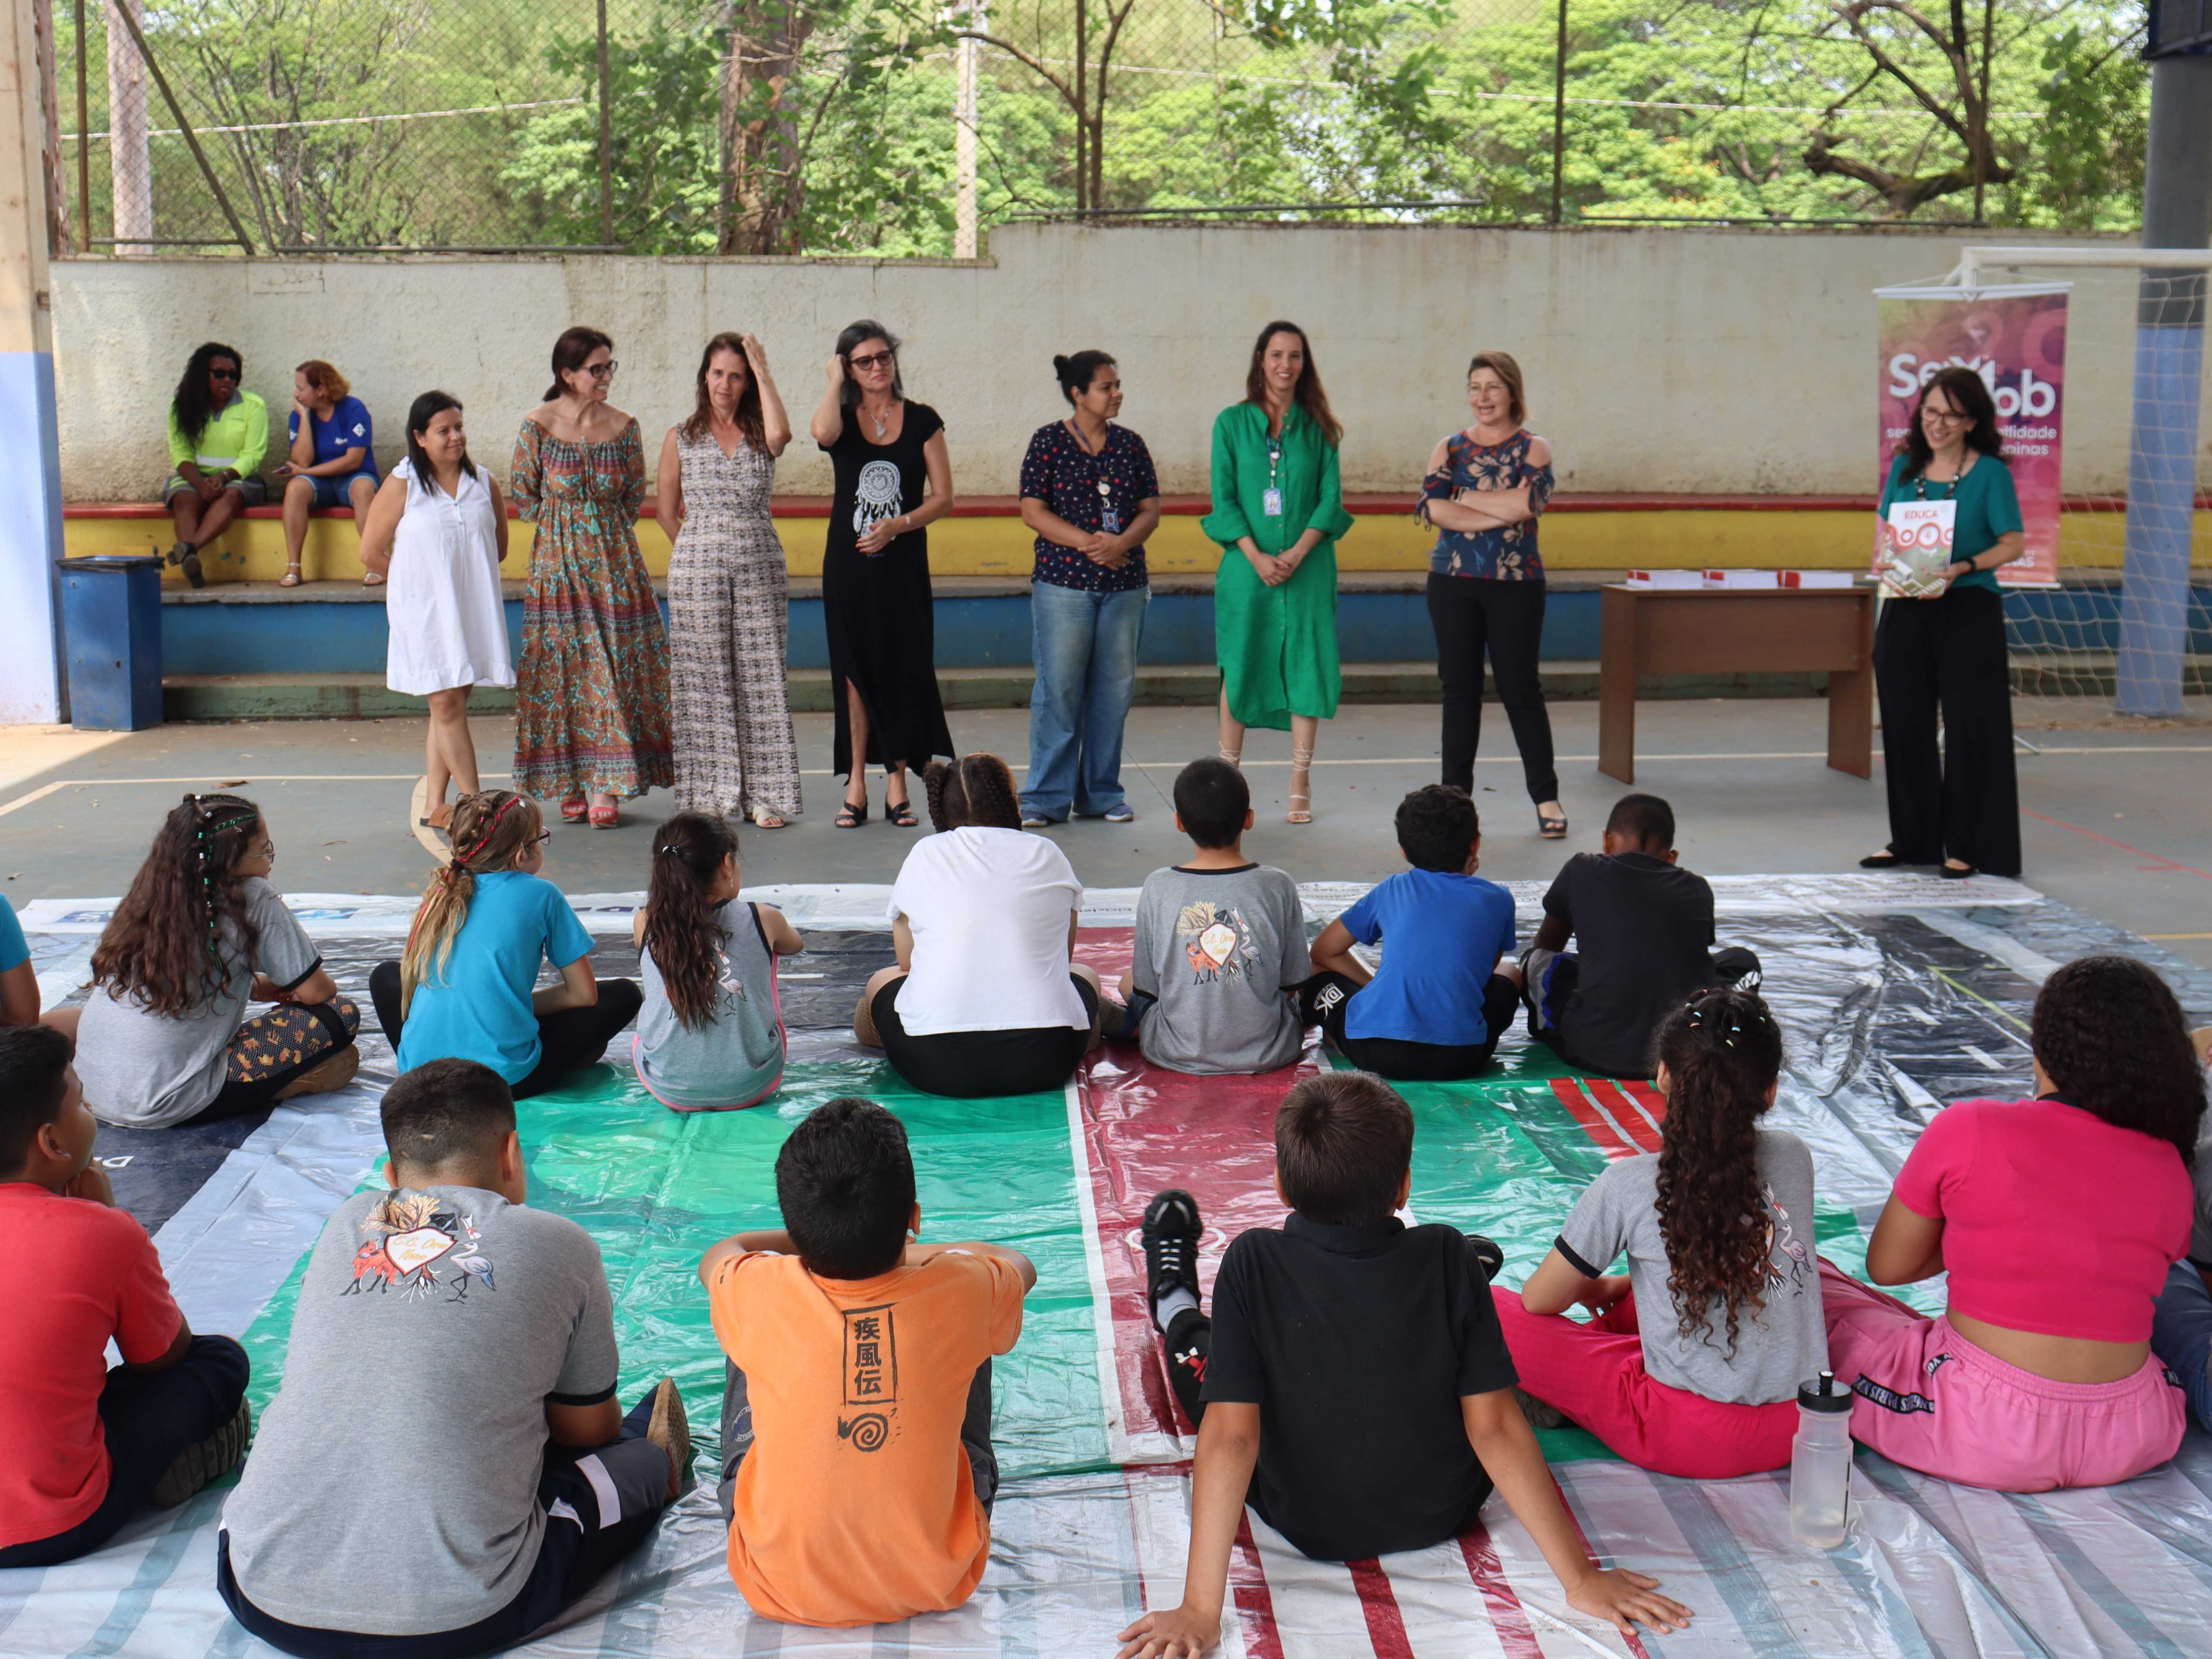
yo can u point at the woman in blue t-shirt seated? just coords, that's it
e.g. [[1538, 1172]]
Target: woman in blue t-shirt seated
[[467, 987], [332, 462], [1448, 985]]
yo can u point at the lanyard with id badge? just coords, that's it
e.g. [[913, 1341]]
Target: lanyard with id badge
[[1919, 535], [1110, 516], [1271, 498]]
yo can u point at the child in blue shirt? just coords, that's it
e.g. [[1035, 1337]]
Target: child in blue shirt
[[1448, 987], [465, 989]]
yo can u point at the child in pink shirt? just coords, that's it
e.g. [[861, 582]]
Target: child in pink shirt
[[2057, 1219]]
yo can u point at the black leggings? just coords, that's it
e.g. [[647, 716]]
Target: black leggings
[[1471, 612], [568, 1041], [1324, 999]]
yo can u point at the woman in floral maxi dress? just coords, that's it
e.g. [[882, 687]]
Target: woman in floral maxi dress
[[591, 722]]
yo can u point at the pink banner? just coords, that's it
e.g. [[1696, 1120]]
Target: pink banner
[[2014, 338]]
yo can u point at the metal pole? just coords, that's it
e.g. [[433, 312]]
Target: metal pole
[[1559, 110], [183, 125], [2169, 367], [31, 663], [606, 140], [83, 145], [1981, 152]]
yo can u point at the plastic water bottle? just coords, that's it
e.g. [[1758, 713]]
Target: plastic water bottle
[[1820, 1464]]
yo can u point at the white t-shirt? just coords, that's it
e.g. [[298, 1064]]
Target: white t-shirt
[[990, 910]]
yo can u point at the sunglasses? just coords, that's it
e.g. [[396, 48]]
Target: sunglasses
[[223, 374], [874, 360], [605, 371]]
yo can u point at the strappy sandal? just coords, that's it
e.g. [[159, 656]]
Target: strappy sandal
[[575, 809], [372, 580], [1301, 761], [291, 576], [1234, 756], [606, 818], [850, 816], [900, 815], [1549, 828]]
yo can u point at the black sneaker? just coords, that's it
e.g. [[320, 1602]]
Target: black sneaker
[[1171, 1233], [211, 1459], [1486, 1253]]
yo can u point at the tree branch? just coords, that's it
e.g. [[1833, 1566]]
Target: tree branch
[[1034, 63]]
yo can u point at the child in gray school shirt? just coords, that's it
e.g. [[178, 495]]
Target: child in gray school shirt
[[1219, 940]]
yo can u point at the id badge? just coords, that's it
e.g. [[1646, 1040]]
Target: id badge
[[1110, 521], [1271, 502]]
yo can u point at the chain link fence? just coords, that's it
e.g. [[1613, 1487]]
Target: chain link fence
[[909, 127]]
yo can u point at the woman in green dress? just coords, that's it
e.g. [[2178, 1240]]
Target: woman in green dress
[[1278, 510]]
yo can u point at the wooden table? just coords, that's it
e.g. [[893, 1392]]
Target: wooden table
[[1713, 630]]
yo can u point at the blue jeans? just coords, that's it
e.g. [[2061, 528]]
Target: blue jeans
[[2181, 1335], [1087, 676]]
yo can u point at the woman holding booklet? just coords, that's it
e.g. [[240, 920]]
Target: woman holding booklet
[[1939, 646]]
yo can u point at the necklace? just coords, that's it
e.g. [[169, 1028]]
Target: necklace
[[881, 424]]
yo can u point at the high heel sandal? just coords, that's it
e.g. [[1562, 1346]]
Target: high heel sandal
[[1234, 756], [851, 815], [606, 818], [1301, 761], [575, 809]]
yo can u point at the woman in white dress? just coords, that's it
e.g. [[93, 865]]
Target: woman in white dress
[[439, 528]]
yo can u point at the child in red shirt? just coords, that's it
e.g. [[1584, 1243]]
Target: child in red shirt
[[83, 1447]]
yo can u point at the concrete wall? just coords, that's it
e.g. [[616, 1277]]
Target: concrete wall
[[1663, 360]]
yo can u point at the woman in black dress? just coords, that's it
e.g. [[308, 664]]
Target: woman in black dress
[[893, 478]]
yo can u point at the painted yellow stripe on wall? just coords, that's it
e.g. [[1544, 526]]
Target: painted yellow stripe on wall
[[1811, 538]]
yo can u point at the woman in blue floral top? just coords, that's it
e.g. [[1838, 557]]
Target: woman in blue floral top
[[1089, 492], [1485, 490]]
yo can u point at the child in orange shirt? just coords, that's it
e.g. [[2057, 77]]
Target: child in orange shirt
[[859, 1361]]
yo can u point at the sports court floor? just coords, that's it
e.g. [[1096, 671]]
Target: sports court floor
[[1896, 994]]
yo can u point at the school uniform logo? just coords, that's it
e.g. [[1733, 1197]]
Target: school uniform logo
[[412, 1239], [1217, 942]]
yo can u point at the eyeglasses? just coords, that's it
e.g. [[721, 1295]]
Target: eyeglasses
[[1946, 415], [540, 839], [605, 371], [874, 360]]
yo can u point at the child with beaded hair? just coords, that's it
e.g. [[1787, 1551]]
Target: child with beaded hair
[[164, 1039], [465, 988], [985, 998]]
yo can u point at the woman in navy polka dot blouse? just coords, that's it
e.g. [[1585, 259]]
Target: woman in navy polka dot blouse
[[1089, 492]]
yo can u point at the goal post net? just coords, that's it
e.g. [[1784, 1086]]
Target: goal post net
[[2127, 631]]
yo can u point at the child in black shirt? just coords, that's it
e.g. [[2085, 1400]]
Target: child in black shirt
[[1645, 927], [1352, 1385]]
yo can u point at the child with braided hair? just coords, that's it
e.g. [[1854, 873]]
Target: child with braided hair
[[164, 1039], [1692, 1365], [465, 986], [985, 999]]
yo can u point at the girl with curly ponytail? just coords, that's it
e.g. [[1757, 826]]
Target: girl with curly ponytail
[[1691, 1366], [2060, 1221], [985, 999], [465, 987], [200, 935], [711, 1036]]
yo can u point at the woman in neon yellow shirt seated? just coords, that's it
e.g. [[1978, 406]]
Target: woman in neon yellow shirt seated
[[218, 437]]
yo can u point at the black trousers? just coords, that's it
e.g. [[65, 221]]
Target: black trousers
[[567, 1041], [1468, 614], [150, 1419], [1324, 999], [1948, 656]]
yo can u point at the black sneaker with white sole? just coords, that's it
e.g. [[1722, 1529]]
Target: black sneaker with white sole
[[1486, 1252], [1172, 1232]]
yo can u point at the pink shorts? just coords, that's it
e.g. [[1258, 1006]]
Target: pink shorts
[[1594, 1373], [1932, 1401]]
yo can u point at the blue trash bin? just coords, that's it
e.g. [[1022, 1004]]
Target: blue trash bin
[[112, 627]]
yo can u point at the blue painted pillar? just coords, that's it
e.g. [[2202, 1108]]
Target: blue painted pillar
[[2169, 367], [30, 463]]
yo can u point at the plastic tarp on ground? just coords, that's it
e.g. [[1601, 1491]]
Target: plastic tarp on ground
[[1895, 993]]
